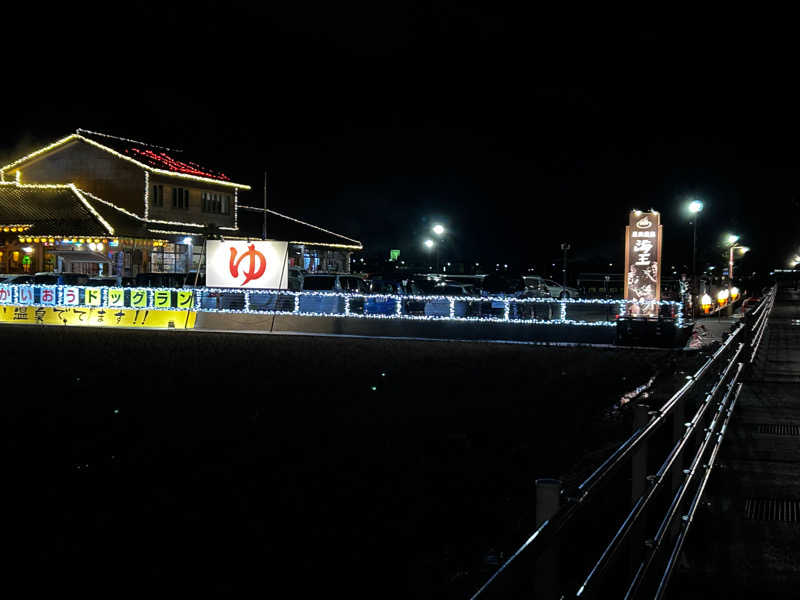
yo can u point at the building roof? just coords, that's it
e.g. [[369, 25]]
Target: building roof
[[288, 229], [63, 210], [155, 159]]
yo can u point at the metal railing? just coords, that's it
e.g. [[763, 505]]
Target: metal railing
[[493, 309], [587, 575]]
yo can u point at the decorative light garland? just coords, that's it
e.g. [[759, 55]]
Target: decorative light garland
[[92, 209], [70, 297], [177, 166], [146, 220], [122, 139], [345, 246], [146, 195], [64, 186], [257, 209], [77, 136]]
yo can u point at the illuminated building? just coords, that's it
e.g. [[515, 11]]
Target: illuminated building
[[134, 207]]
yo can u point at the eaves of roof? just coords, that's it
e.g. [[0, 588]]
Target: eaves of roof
[[76, 136]]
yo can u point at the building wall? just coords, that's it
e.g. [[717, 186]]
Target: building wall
[[194, 214], [91, 169]]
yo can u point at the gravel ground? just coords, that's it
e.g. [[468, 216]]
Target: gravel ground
[[185, 461]]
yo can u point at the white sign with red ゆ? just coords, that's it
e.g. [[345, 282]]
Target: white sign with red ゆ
[[243, 264]]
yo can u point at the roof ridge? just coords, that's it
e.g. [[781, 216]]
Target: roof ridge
[[256, 208], [116, 137]]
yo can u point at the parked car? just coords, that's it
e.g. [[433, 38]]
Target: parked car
[[502, 282], [192, 279], [111, 280], [452, 288], [53, 278], [393, 285], [164, 280], [16, 279], [556, 290], [334, 282]]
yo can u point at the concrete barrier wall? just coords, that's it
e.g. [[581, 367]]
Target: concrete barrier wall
[[407, 328]]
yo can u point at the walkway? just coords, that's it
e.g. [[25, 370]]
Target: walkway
[[747, 544]]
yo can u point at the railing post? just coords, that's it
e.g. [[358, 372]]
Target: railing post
[[678, 429], [548, 501], [641, 416]]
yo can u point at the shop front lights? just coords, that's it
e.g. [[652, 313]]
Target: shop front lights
[[705, 302]]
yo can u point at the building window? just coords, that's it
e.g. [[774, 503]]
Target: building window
[[157, 197], [218, 204], [180, 198], [170, 258]]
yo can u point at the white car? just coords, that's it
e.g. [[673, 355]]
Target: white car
[[556, 290]]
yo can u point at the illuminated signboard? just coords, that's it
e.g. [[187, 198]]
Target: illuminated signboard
[[243, 264], [643, 262]]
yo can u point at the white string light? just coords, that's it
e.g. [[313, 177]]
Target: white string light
[[244, 297], [141, 165]]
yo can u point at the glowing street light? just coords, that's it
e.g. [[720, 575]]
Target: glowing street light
[[705, 302], [429, 243], [438, 229], [695, 206], [732, 242]]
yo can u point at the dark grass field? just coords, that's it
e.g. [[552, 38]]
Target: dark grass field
[[291, 466]]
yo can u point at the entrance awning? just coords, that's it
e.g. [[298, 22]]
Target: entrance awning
[[81, 256]]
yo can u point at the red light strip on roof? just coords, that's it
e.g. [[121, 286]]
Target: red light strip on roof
[[170, 163]]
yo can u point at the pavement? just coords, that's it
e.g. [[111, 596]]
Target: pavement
[[708, 330], [746, 544]]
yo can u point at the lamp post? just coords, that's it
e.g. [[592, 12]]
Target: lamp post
[[430, 244], [695, 206], [732, 247], [438, 230]]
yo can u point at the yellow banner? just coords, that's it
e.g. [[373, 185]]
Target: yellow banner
[[99, 317]]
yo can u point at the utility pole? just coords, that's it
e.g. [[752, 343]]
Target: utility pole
[[564, 247], [264, 230]]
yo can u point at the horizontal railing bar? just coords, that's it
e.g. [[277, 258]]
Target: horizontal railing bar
[[689, 517], [677, 499], [557, 522], [641, 504]]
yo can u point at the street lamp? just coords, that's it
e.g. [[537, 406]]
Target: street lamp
[[732, 243], [438, 230], [695, 207], [429, 243]]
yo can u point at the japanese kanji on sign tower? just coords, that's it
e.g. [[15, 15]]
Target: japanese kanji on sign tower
[[643, 262]]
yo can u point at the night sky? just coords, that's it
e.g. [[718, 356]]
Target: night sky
[[517, 130]]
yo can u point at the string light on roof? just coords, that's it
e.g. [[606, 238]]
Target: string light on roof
[[139, 163], [162, 159]]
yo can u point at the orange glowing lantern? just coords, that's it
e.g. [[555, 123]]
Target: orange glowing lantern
[[705, 303]]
